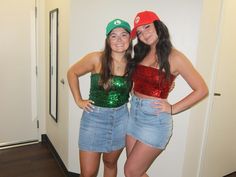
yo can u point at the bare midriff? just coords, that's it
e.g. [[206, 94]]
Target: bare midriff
[[140, 95]]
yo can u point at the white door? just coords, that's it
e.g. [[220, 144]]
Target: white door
[[18, 115], [220, 153]]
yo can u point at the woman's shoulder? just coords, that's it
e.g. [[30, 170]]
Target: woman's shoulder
[[177, 56], [94, 55], [178, 60]]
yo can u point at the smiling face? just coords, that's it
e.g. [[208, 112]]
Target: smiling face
[[119, 40], [147, 34]]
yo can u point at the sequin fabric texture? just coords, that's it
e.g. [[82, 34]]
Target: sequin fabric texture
[[149, 81], [115, 97]]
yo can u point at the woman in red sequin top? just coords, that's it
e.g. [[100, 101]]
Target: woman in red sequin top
[[155, 66]]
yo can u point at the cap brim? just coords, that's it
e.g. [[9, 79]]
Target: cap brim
[[134, 30], [118, 26]]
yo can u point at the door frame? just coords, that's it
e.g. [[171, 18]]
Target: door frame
[[212, 85], [34, 91], [42, 94]]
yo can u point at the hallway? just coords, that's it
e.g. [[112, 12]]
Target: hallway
[[34, 160]]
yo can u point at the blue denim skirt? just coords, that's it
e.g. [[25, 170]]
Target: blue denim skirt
[[104, 129], [146, 125]]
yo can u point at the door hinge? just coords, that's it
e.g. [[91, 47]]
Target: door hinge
[[36, 70], [37, 123], [35, 11]]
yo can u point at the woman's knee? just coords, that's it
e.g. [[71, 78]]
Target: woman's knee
[[110, 163], [110, 159], [89, 172], [129, 171]]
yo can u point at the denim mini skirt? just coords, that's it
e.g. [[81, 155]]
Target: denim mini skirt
[[103, 129], [146, 125]]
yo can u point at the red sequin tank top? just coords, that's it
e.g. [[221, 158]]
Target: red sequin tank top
[[149, 81]]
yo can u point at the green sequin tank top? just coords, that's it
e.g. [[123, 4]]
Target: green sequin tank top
[[115, 97]]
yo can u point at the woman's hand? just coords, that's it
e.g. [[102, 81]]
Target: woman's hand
[[162, 106], [86, 105]]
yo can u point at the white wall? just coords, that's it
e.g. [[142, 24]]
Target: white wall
[[87, 33], [58, 131]]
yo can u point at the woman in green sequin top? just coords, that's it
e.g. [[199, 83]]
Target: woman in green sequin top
[[103, 123]]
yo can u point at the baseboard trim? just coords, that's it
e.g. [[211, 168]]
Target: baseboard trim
[[56, 156], [17, 144], [73, 174], [229, 175]]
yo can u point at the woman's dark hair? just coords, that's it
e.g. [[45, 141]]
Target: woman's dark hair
[[163, 49], [106, 61]]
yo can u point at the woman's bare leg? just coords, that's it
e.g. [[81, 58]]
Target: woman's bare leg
[[140, 158], [89, 163], [110, 163], [130, 142]]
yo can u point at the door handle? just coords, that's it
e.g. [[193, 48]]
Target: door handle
[[217, 94], [62, 81]]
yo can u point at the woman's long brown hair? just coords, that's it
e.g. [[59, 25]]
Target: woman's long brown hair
[[163, 49], [106, 61]]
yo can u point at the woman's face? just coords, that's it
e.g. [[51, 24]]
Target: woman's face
[[119, 40], [147, 34]]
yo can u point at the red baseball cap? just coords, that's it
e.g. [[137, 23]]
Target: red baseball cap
[[143, 18]]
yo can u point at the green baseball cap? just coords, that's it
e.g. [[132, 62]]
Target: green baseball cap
[[117, 23]]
